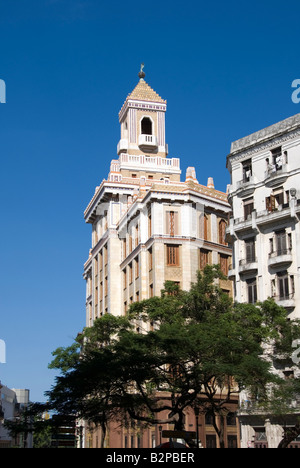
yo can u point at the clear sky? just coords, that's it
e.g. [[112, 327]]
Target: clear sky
[[225, 69]]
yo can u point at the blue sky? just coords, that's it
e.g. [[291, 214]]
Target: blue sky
[[226, 70]]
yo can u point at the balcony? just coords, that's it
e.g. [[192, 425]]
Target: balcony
[[281, 258], [246, 223], [287, 301], [122, 146], [281, 213], [231, 272], [248, 266], [148, 142], [276, 176], [245, 187], [150, 163]]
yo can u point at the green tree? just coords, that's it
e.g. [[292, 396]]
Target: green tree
[[193, 349]]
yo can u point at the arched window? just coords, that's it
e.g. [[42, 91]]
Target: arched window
[[146, 126]]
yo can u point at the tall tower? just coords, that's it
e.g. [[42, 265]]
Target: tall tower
[[149, 227], [142, 120]]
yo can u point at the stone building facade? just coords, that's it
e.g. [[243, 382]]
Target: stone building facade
[[264, 231], [149, 226]]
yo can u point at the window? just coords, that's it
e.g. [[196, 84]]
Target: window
[[231, 419], [209, 419], [276, 199], [172, 223], [224, 264], [250, 250], [130, 273], [252, 291], [270, 203], [137, 235], [211, 442], [105, 255], [124, 249], [150, 255], [248, 208], [173, 255], [281, 244], [222, 232], [204, 258], [283, 285], [146, 126], [232, 442], [279, 198], [137, 267], [203, 226], [247, 170], [124, 279], [277, 158], [149, 223]]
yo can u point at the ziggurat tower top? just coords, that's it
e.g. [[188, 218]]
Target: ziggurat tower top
[[143, 164], [142, 121], [144, 92]]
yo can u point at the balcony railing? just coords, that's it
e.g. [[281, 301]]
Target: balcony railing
[[276, 175], [152, 162], [148, 141], [248, 265], [286, 300], [247, 261], [280, 252]]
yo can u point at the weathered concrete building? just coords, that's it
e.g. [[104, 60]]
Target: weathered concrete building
[[264, 231]]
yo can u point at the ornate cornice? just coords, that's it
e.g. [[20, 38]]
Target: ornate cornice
[[255, 146]]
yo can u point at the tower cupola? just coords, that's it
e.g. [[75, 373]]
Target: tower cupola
[[142, 120]]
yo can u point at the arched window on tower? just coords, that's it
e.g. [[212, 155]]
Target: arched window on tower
[[146, 126]]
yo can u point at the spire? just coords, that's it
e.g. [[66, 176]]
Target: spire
[[142, 74]]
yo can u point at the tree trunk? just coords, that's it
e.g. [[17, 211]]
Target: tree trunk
[[103, 434], [290, 434], [219, 430]]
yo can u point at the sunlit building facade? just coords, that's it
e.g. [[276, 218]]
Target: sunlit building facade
[[149, 226], [264, 231]]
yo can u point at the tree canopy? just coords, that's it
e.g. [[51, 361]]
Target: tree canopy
[[184, 349]]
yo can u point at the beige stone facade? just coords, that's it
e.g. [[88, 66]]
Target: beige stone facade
[[148, 226]]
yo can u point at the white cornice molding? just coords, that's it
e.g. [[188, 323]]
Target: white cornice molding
[[265, 134], [266, 145], [143, 105]]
